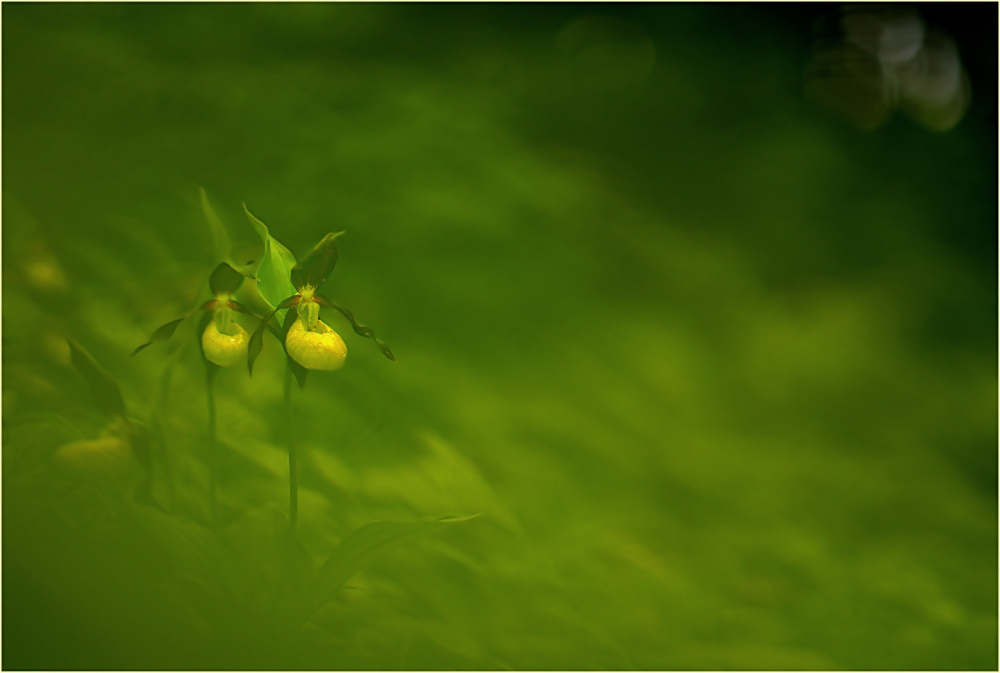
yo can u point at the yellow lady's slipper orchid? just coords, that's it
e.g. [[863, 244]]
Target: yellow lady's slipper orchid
[[318, 348], [222, 349]]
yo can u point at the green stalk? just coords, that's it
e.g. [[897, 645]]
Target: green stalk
[[212, 449], [293, 468]]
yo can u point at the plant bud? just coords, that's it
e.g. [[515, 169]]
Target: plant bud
[[225, 350], [106, 455], [319, 348]]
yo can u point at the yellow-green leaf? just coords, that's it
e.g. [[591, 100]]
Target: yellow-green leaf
[[274, 272]]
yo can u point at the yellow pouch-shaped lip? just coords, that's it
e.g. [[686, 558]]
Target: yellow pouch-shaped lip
[[225, 350], [321, 348]]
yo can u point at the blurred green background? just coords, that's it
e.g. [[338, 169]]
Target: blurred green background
[[719, 367]]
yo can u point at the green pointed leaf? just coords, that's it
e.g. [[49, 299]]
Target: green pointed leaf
[[162, 333], [107, 394], [286, 324], [360, 329], [221, 243], [316, 266], [256, 343], [275, 269], [358, 549], [225, 280]]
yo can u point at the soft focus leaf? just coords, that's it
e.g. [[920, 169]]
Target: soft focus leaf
[[162, 333], [141, 438], [316, 266], [221, 243], [225, 280], [265, 565], [357, 550], [274, 272], [256, 344], [107, 394], [191, 547]]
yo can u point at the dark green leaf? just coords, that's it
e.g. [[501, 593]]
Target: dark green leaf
[[286, 325], [354, 552], [225, 280], [256, 343], [316, 266], [107, 394], [367, 332], [162, 333]]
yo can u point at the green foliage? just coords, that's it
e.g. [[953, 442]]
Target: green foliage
[[357, 550], [359, 329], [274, 272], [162, 333], [721, 370], [254, 573], [106, 393]]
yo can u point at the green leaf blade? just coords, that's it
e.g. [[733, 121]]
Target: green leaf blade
[[107, 394], [275, 269], [256, 344], [162, 333], [357, 550]]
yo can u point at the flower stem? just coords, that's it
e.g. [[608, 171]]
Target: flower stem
[[293, 471], [212, 451]]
